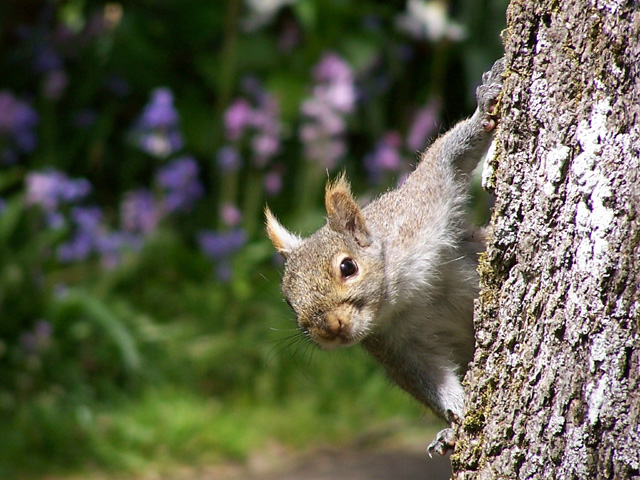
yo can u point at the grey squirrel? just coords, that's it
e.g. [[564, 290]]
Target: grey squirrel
[[399, 275]]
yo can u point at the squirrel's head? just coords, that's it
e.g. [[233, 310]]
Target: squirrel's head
[[334, 279]]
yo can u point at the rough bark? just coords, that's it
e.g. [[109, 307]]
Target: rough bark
[[554, 389]]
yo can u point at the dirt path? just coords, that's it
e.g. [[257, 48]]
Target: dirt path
[[376, 463], [373, 465], [365, 464]]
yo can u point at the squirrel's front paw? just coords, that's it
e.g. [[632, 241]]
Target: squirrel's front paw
[[445, 440], [487, 94]]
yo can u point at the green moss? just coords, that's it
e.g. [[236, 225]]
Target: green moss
[[474, 422]]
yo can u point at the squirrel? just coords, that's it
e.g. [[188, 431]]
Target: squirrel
[[399, 276]]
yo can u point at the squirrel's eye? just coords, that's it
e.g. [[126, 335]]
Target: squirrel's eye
[[348, 267]]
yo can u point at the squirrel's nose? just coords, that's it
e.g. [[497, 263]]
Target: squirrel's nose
[[334, 325]]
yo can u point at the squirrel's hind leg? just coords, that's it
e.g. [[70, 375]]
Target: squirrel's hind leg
[[445, 441], [446, 438]]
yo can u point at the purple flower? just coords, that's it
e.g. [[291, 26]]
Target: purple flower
[[156, 130], [75, 190], [17, 124], [332, 69], [51, 188], [111, 245], [229, 159], [86, 218], [87, 229], [261, 121], [180, 184], [273, 182], [90, 236], [265, 147], [218, 245], [159, 143], [386, 157], [424, 125], [78, 248], [230, 214], [55, 220], [159, 112], [335, 83], [237, 118], [324, 114], [266, 121], [139, 212]]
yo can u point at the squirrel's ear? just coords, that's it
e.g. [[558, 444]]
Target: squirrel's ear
[[283, 240], [343, 212]]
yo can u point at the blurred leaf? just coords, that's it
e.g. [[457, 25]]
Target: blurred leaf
[[306, 12], [9, 178], [75, 305], [10, 218], [290, 90]]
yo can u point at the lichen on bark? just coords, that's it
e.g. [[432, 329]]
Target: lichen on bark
[[554, 389]]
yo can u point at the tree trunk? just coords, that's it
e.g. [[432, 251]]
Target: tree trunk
[[554, 390]]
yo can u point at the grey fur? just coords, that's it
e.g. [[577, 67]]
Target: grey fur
[[410, 303]]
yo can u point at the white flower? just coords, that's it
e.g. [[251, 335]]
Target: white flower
[[261, 12], [429, 20]]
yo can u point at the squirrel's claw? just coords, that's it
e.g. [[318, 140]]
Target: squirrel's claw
[[487, 94], [445, 441]]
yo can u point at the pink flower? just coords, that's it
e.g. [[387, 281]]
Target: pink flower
[[230, 214], [425, 124], [237, 118]]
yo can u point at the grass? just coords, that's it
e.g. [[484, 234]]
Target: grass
[[155, 365], [160, 428]]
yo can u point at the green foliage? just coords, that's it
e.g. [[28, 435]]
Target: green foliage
[[124, 347]]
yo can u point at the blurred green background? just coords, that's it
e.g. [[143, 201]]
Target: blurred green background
[[141, 323]]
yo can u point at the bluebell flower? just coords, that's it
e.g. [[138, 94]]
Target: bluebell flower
[[51, 188], [17, 127], [230, 214], [159, 112], [87, 218], [425, 124], [237, 118], [77, 248], [229, 159], [157, 129], [90, 237], [261, 121], [110, 246], [324, 114], [180, 184], [273, 182], [139, 212], [385, 158], [219, 245]]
